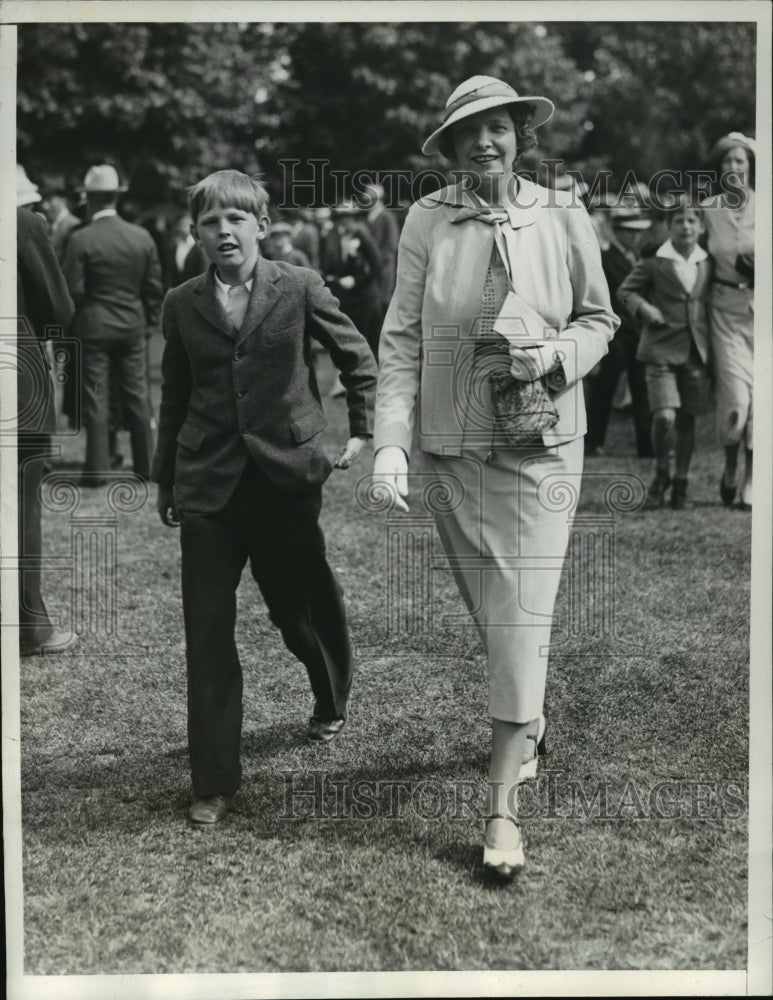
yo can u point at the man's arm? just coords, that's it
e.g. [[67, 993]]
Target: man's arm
[[175, 395], [45, 299]]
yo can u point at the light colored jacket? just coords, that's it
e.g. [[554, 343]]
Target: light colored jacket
[[427, 383]]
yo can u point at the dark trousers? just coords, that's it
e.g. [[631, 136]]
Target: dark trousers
[[280, 536], [34, 623], [620, 358], [128, 359]]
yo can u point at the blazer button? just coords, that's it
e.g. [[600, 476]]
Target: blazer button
[[240, 393], [236, 356]]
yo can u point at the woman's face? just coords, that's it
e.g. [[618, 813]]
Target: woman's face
[[737, 161], [486, 144]]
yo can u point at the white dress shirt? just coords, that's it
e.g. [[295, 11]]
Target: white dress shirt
[[686, 267]]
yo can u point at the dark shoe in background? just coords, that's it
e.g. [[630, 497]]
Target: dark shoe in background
[[656, 494], [57, 642], [679, 494], [208, 810]]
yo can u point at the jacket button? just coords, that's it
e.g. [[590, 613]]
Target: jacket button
[[236, 356], [240, 393]]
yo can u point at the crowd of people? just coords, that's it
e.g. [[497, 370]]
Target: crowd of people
[[537, 304]]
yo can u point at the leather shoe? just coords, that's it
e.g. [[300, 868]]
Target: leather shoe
[[205, 811], [322, 730], [727, 491], [57, 642], [501, 864]]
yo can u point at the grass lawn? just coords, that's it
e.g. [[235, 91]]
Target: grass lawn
[[635, 833]]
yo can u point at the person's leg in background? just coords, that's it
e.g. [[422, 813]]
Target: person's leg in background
[[133, 360]]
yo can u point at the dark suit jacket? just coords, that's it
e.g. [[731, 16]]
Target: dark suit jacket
[[229, 396], [42, 303], [364, 267], [655, 280], [617, 267], [60, 236], [386, 236], [114, 275]]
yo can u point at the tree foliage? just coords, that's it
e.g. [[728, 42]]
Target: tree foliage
[[169, 102]]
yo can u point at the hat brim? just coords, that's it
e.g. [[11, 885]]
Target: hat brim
[[118, 190], [542, 107], [28, 198], [639, 224], [727, 143]]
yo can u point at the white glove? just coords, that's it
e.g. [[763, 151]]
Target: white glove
[[390, 469]]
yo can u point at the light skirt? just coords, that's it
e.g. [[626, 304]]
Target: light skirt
[[731, 325], [506, 539]]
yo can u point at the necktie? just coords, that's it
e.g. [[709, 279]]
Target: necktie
[[236, 304]]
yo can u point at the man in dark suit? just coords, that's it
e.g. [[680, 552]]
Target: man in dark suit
[[617, 260], [114, 275], [240, 468], [351, 267], [385, 231], [42, 305]]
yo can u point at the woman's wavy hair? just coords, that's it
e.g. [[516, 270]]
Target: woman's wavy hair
[[525, 136]]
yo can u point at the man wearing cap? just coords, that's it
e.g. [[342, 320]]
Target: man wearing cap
[[628, 227], [114, 275], [280, 245], [351, 267]]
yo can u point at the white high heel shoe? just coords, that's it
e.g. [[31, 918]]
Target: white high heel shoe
[[501, 864]]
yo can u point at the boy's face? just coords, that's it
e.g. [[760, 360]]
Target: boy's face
[[684, 230], [229, 236]]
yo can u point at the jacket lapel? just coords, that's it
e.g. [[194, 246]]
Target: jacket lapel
[[208, 304], [704, 270], [263, 297]]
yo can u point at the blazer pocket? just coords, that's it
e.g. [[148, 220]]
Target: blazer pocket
[[284, 335], [191, 437], [307, 425]]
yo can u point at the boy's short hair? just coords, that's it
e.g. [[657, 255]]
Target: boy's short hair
[[682, 203], [228, 188]]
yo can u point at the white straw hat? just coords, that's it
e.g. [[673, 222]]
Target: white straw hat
[[480, 93], [103, 179], [27, 193]]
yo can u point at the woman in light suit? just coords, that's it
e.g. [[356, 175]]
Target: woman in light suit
[[495, 250]]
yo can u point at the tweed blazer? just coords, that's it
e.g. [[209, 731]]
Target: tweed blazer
[[114, 275], [655, 280], [228, 396], [427, 382]]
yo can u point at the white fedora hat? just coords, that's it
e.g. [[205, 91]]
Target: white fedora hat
[[480, 93], [27, 193], [102, 178]]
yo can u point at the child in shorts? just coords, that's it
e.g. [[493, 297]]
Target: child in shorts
[[667, 293]]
